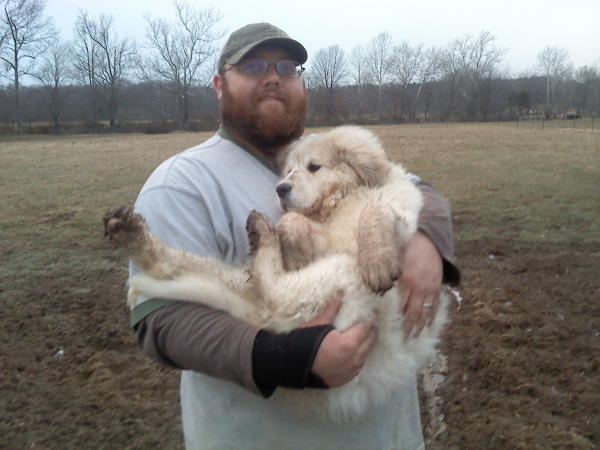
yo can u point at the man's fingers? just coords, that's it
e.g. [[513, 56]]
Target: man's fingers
[[362, 336], [360, 331], [328, 313], [367, 343], [342, 355], [419, 314]]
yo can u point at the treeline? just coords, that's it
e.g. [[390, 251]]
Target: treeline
[[100, 81]]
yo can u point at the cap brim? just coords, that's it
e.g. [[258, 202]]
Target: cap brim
[[294, 47]]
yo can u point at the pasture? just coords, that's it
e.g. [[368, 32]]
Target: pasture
[[523, 346]]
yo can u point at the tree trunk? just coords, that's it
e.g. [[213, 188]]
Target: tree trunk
[[17, 102]]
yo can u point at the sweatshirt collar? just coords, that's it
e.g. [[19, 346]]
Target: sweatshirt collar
[[226, 134]]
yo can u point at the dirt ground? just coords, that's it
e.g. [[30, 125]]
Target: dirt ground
[[524, 349], [523, 354]]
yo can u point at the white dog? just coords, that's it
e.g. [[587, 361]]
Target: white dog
[[349, 212]]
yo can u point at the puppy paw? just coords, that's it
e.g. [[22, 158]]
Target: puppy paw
[[379, 256], [260, 231], [122, 226], [379, 279]]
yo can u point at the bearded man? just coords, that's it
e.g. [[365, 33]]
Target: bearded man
[[198, 201]]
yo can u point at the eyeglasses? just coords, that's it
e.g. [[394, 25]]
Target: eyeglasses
[[256, 67]]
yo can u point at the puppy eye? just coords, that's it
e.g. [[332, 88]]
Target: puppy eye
[[313, 167]]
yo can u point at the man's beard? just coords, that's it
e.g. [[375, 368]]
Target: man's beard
[[268, 133]]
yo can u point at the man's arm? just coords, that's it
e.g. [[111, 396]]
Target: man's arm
[[435, 222], [196, 337], [428, 261]]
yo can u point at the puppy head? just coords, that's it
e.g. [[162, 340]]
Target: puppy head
[[321, 170]]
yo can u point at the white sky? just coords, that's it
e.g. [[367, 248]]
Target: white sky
[[523, 27]]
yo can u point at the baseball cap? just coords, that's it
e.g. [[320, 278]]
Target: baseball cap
[[247, 38]]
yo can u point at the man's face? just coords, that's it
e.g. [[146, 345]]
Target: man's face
[[266, 111]]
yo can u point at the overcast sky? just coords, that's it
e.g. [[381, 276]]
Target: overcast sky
[[523, 27]]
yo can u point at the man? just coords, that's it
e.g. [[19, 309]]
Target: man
[[199, 200]]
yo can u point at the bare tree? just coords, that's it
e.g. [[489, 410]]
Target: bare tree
[[588, 91], [553, 64], [379, 59], [453, 59], [25, 34], [103, 61], [3, 29], [54, 75], [484, 63], [429, 68], [471, 63], [359, 74], [405, 63], [179, 52], [327, 71]]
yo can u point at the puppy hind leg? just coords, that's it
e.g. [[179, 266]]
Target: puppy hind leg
[[128, 230], [378, 250], [123, 227]]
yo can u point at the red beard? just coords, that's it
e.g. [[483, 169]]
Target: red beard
[[266, 132]]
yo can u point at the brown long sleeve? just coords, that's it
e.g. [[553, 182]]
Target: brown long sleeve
[[196, 337], [436, 222]]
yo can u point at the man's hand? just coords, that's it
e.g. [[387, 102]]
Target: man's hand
[[420, 283], [341, 355]]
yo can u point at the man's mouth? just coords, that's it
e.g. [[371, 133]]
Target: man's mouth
[[271, 98]]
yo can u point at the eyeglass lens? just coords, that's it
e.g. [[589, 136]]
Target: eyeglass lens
[[258, 67]]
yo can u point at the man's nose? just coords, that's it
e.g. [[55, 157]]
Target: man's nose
[[272, 75]]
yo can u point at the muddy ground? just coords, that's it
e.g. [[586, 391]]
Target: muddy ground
[[523, 355]]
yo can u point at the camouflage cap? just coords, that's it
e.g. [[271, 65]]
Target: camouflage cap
[[251, 36]]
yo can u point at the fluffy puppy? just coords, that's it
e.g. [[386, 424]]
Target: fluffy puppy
[[341, 194], [349, 211]]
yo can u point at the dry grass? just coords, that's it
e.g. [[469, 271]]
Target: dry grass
[[528, 183], [533, 193], [535, 184]]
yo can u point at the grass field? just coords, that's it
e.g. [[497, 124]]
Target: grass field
[[526, 207]]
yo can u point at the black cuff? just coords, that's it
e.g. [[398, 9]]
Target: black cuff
[[286, 359], [451, 274]]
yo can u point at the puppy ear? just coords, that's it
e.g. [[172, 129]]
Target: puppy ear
[[362, 151]]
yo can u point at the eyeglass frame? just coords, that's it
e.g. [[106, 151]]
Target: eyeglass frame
[[299, 68]]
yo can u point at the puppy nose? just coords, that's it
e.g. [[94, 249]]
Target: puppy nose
[[283, 189]]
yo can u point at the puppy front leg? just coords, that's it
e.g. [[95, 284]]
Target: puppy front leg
[[264, 245], [378, 249], [296, 239], [289, 299]]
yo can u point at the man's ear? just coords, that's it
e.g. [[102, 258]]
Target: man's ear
[[217, 82]]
